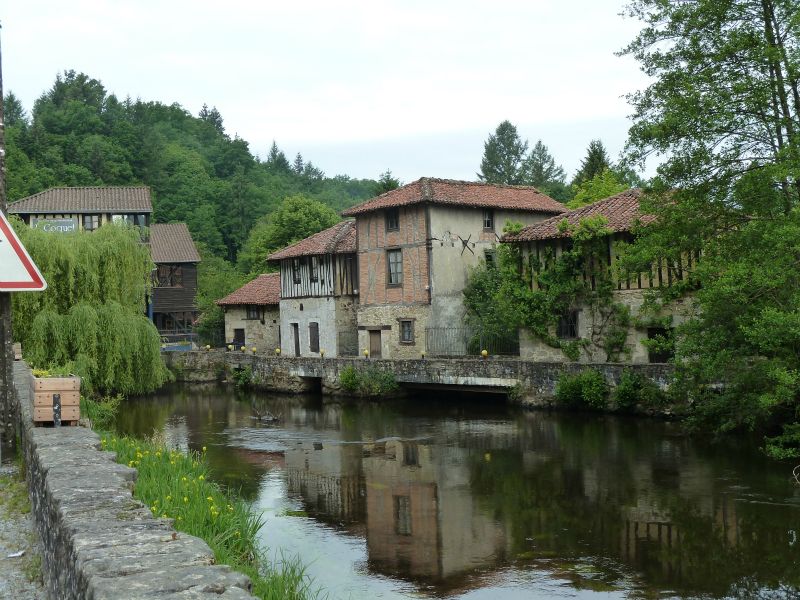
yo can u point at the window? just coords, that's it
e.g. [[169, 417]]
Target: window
[[314, 268], [91, 222], [410, 455], [491, 258], [402, 515], [313, 337], [568, 326], [296, 270], [253, 311], [393, 219], [488, 220], [406, 331], [661, 349], [394, 259], [169, 276]]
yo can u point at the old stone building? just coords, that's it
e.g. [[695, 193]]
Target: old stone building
[[416, 245], [545, 242], [252, 316], [319, 293]]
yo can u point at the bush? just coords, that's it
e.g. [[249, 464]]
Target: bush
[[101, 412], [371, 381], [634, 390], [587, 389]]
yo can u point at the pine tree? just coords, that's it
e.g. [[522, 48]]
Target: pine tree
[[386, 183], [540, 168], [503, 156], [276, 159], [595, 163], [298, 164]]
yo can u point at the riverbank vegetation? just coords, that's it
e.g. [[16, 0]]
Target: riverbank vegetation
[[91, 320], [369, 382], [177, 486]]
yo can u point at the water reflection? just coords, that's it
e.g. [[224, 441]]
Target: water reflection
[[460, 499]]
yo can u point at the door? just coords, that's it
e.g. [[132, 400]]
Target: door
[[375, 344], [296, 336], [238, 338]]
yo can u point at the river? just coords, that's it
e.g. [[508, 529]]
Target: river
[[464, 497]]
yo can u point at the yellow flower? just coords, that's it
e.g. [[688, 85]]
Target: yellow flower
[[201, 478], [154, 509], [169, 498], [185, 499], [204, 448], [158, 454], [180, 518], [172, 462], [209, 498], [237, 533], [184, 478], [230, 508], [130, 463], [164, 516]]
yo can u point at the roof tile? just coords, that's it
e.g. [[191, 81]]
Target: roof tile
[[339, 239], [86, 200], [172, 243], [461, 193], [621, 210], [263, 290]]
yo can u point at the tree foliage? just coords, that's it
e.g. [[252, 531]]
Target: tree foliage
[[724, 112], [602, 185], [296, 218], [78, 134], [594, 163], [91, 316]]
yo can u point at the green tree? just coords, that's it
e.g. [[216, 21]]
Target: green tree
[[503, 156], [594, 163], [386, 183], [296, 218], [216, 278], [600, 186], [540, 168], [724, 109]]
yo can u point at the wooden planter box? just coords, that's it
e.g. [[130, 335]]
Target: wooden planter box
[[56, 400]]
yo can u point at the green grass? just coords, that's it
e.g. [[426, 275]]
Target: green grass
[[176, 486], [14, 494]]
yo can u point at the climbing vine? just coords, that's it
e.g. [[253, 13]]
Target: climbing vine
[[535, 293]]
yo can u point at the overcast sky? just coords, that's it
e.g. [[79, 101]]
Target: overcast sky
[[356, 86]]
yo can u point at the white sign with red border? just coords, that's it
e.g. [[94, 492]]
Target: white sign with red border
[[17, 271]]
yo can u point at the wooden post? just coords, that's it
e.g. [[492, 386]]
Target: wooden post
[[8, 421]]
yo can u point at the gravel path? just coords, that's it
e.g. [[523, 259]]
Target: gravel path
[[16, 534]]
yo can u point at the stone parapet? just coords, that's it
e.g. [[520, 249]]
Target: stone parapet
[[98, 542]]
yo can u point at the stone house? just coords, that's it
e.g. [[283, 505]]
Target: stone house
[[416, 246], [252, 316], [63, 210], [546, 241], [319, 293]]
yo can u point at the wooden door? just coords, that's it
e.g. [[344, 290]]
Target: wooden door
[[296, 335], [238, 338], [375, 344]]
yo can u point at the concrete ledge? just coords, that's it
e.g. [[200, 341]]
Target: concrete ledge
[[98, 541]]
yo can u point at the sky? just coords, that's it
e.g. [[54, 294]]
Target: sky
[[356, 86]]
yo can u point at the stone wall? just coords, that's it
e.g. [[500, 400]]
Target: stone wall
[[534, 382], [99, 542], [265, 335]]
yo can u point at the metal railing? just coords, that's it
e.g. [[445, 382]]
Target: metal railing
[[466, 341]]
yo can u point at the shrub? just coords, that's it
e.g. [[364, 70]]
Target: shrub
[[243, 378], [587, 389], [371, 381], [634, 389], [101, 412]]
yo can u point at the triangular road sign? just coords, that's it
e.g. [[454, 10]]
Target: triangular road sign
[[17, 271]]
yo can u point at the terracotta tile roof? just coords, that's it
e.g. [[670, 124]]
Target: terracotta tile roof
[[622, 211], [461, 193], [172, 243], [339, 239], [86, 200], [263, 290]]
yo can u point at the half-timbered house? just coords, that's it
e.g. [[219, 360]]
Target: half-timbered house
[[416, 245], [543, 243], [252, 317], [319, 293]]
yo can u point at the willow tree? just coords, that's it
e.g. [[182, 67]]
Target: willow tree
[[92, 315], [723, 110]]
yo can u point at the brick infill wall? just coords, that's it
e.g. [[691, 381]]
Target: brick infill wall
[[98, 542]]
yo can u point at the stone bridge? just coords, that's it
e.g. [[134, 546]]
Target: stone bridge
[[531, 383]]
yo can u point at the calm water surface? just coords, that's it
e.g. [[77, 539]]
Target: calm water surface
[[467, 498]]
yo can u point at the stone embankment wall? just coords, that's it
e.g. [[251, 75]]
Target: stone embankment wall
[[98, 542], [533, 383]]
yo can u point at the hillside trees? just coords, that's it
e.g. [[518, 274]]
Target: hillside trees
[[79, 134], [724, 112]]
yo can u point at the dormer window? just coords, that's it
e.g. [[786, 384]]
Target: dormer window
[[393, 219]]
